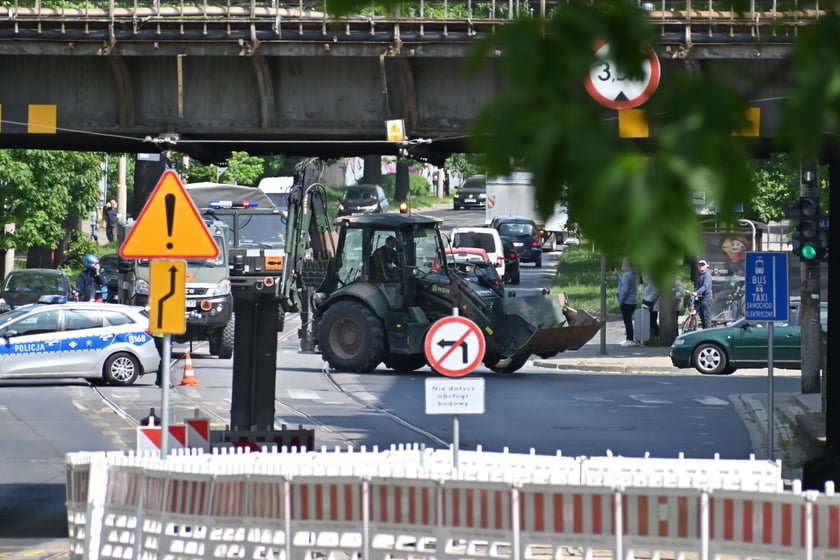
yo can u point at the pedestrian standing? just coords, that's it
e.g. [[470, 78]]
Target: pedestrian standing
[[703, 294], [94, 224], [650, 301], [111, 220], [627, 298]]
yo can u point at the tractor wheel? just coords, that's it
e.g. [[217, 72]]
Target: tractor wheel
[[508, 365], [405, 363], [352, 337]]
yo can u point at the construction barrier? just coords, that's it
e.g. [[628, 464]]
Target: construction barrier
[[286, 505]]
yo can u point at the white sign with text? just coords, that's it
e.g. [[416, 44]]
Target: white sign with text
[[454, 396]]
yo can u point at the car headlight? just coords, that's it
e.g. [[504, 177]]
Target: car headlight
[[141, 287], [221, 289], [678, 342], [340, 206]]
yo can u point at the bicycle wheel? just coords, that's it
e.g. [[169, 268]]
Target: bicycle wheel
[[690, 324]]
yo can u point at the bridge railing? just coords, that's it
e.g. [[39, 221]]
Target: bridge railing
[[419, 19]]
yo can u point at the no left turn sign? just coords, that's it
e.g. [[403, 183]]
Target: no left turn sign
[[454, 346], [615, 91]]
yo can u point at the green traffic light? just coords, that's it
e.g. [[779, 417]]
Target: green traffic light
[[809, 252]]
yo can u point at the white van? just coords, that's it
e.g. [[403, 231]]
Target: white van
[[484, 238]]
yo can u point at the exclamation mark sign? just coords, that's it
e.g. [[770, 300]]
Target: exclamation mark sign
[[169, 200]]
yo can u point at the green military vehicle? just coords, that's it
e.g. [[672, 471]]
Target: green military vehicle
[[209, 303]]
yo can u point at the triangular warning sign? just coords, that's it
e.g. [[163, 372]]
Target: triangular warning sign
[[169, 226]]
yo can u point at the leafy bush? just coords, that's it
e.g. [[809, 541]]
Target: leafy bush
[[80, 245], [417, 185]]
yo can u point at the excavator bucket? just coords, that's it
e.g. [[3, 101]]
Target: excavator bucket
[[546, 325]]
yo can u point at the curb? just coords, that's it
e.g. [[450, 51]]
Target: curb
[[607, 368]]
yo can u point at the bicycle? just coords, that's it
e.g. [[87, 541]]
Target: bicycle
[[690, 323]]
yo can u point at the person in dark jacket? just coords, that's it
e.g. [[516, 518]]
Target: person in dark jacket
[[110, 216], [90, 280], [703, 294], [627, 298]]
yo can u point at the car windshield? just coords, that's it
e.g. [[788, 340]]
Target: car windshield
[[360, 193], [34, 282], [473, 239], [515, 228]]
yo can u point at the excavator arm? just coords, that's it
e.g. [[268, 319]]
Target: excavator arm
[[310, 240]]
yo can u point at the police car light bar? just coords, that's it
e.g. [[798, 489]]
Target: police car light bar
[[233, 204]]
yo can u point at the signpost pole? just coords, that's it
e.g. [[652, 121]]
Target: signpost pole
[[770, 398], [456, 440], [165, 359], [766, 299]]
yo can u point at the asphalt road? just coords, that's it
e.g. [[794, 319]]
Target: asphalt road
[[578, 413]]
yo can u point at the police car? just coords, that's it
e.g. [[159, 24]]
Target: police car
[[54, 338]]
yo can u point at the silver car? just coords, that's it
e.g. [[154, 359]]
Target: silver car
[[101, 341]]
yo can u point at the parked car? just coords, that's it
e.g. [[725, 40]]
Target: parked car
[[482, 238], [108, 266], [525, 236], [743, 344], [474, 264], [26, 285], [471, 194], [511, 262], [82, 339], [363, 199]]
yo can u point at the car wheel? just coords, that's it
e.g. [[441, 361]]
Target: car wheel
[[538, 261], [456, 207], [514, 278], [121, 369], [352, 337], [710, 359]]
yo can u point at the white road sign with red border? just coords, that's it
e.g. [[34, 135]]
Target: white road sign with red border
[[615, 91], [454, 346]]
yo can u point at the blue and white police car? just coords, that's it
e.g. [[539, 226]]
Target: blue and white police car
[[54, 338]]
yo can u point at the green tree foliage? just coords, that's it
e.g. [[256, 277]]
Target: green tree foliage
[[465, 164], [633, 200], [45, 193], [417, 185]]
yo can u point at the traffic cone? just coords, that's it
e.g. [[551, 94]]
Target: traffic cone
[[189, 378]]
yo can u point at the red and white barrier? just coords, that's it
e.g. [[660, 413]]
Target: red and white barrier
[[561, 516], [242, 505], [474, 516], [402, 514], [149, 438], [743, 523], [325, 515]]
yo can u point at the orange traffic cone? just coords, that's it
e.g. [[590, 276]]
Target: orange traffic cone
[[189, 378]]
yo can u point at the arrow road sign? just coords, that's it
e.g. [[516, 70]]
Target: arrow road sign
[[167, 297], [454, 346]]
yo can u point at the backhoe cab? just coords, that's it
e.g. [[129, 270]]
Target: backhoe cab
[[371, 309]]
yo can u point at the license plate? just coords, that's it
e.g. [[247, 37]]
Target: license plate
[[470, 200], [191, 303], [518, 244]]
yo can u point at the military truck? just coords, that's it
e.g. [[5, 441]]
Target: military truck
[[209, 303], [256, 244]]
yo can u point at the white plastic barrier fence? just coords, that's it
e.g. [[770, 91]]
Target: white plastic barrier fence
[[265, 505], [752, 474]]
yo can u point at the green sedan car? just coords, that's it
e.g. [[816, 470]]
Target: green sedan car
[[742, 344]]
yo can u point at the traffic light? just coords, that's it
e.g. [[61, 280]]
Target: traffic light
[[807, 241]]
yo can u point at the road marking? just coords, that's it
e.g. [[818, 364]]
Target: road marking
[[591, 398], [712, 401], [646, 399], [303, 394]]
